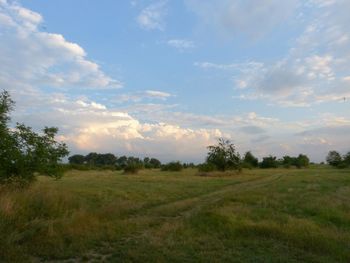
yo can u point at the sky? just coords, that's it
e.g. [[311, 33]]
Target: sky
[[167, 78]]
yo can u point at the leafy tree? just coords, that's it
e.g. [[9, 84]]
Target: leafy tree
[[155, 163], [91, 159], [122, 162], [107, 159], [347, 159], [334, 158], [269, 162], [224, 156], [249, 160], [24, 152], [288, 161], [77, 159], [302, 161]]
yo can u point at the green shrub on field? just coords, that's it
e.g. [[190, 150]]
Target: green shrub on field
[[133, 168], [206, 167], [172, 167]]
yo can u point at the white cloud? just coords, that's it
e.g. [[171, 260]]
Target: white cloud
[[90, 126], [29, 56], [313, 71], [250, 18], [181, 44], [152, 17], [142, 95]]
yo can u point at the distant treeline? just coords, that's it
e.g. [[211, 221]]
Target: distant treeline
[[109, 160], [129, 164]]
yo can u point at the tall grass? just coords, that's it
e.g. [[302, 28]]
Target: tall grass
[[255, 216]]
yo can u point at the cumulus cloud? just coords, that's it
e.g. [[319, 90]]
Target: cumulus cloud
[[152, 17], [45, 58], [90, 126], [313, 71]]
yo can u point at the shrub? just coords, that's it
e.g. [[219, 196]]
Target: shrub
[[132, 168], [206, 167], [172, 167]]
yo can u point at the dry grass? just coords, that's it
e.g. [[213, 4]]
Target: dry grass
[[254, 216]]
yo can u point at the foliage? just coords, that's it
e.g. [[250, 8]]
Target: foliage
[[188, 165], [77, 159], [172, 167], [97, 159], [133, 168], [224, 156], [302, 161], [334, 159], [24, 152], [206, 167], [346, 159], [249, 160], [109, 161], [151, 163], [269, 162]]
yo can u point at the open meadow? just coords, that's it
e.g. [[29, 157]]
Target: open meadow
[[271, 215]]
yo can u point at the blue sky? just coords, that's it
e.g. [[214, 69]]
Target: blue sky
[[166, 78]]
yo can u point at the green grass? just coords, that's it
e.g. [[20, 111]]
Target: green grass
[[280, 215]]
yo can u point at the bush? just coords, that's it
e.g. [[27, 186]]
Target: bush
[[172, 167], [132, 168], [206, 167]]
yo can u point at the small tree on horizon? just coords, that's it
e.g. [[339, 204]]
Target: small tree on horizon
[[250, 160], [334, 158], [224, 156], [269, 162]]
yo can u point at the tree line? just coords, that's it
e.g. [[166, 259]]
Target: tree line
[[109, 160], [223, 156], [25, 153]]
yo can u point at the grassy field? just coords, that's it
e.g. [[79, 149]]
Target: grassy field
[[280, 215]]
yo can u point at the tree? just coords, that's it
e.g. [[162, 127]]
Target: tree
[[334, 158], [155, 163], [106, 159], [91, 159], [77, 159], [302, 161], [172, 167], [223, 156], [347, 159], [269, 162], [288, 161], [122, 162], [24, 152], [249, 160]]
